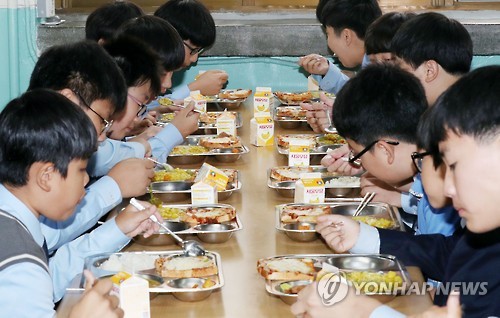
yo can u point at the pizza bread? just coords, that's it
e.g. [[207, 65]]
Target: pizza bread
[[222, 140], [303, 213], [293, 98], [185, 266], [235, 93], [286, 268], [288, 173], [284, 140], [290, 111], [217, 215]]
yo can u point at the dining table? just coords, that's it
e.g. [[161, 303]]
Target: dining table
[[244, 293]]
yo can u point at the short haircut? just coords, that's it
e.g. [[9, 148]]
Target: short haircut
[[380, 33], [191, 19], [469, 107], [368, 108], [103, 22], [161, 36], [432, 36], [319, 9], [42, 126], [356, 15], [83, 67], [138, 62]]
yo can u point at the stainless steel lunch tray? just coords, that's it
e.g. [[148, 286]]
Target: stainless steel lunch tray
[[92, 263], [377, 209], [318, 149], [210, 127], [287, 188], [173, 191], [288, 122], [221, 154], [294, 103], [367, 262]]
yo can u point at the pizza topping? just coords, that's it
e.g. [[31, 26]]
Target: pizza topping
[[304, 266], [188, 262]]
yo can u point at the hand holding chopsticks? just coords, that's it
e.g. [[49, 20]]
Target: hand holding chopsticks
[[366, 199]]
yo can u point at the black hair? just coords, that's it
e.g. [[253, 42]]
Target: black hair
[[380, 33], [83, 67], [469, 107], [380, 101], [138, 62], [319, 9], [432, 36], [191, 19], [356, 15], [103, 22], [160, 36], [42, 126]]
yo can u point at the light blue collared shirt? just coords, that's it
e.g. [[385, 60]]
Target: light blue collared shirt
[[180, 92]]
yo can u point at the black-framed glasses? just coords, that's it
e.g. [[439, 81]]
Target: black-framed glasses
[[142, 107], [417, 158], [194, 50], [107, 123], [355, 159]]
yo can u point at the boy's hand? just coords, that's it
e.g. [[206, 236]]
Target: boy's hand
[[133, 176], [451, 310], [384, 192], [309, 303], [96, 300], [314, 64], [186, 120], [334, 162], [210, 82], [316, 115], [133, 222], [144, 137], [339, 232]]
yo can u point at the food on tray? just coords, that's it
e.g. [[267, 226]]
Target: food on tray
[[189, 150], [292, 112], [284, 140], [286, 268], [343, 182], [210, 118], [331, 139], [185, 266], [174, 175], [198, 215], [235, 93], [287, 288], [303, 213], [165, 101], [222, 140], [384, 281], [128, 262], [376, 222], [293, 98], [167, 117], [289, 173]]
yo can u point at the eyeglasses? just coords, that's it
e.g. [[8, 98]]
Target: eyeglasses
[[194, 50], [355, 159], [107, 123], [142, 107], [417, 158]]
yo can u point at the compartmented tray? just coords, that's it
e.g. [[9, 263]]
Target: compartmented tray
[[295, 98], [207, 231], [303, 228], [226, 103], [208, 124], [378, 265], [158, 284], [289, 117], [282, 179], [174, 191], [222, 154], [320, 143]]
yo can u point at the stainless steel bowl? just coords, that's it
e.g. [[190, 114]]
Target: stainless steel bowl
[[289, 299], [229, 104], [163, 238], [286, 188], [349, 209], [341, 192], [362, 263], [227, 155], [289, 124], [293, 230], [196, 295], [171, 191], [323, 149], [186, 159], [214, 233]]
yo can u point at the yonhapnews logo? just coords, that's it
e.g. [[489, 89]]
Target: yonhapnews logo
[[332, 288]]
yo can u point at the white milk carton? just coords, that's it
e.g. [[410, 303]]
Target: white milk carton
[[226, 122], [312, 84], [262, 131], [133, 293], [200, 102], [202, 193], [310, 188], [212, 176], [299, 152], [263, 100]]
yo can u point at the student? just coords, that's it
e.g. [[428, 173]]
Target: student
[[45, 142], [462, 131], [346, 22], [103, 22], [196, 27]]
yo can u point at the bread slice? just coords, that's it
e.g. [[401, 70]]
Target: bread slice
[[186, 266], [304, 213], [235, 93], [286, 268], [210, 215]]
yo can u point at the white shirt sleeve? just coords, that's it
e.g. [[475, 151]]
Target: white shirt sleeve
[[333, 80], [386, 312], [111, 152], [368, 240]]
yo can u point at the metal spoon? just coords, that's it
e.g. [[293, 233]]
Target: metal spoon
[[366, 199], [165, 166], [330, 129], [191, 248]]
